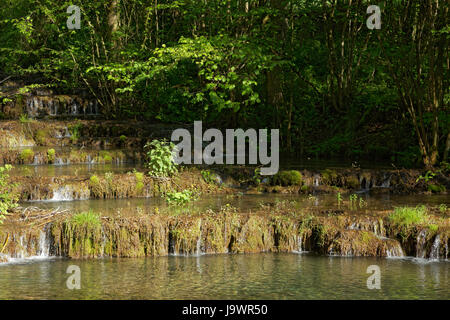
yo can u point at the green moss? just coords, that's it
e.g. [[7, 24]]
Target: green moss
[[366, 237], [41, 137], [24, 119], [94, 180], [51, 155], [107, 159], [436, 188], [287, 178], [433, 227], [27, 155], [353, 182], [77, 156], [139, 181], [329, 176]]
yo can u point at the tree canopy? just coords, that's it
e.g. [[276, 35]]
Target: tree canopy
[[309, 67]]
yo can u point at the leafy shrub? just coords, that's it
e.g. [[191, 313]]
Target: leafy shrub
[[160, 158], [8, 199], [179, 198], [209, 176]]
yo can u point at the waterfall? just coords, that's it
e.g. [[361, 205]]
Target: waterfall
[[434, 253], [36, 160], [395, 251], [44, 244], [67, 193], [299, 244], [199, 246], [316, 181], [421, 241], [386, 182]]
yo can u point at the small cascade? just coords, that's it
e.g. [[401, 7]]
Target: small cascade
[[446, 251], [316, 180], [59, 161], [386, 181], [299, 243], [47, 104], [434, 253], [420, 246], [67, 193], [199, 246], [44, 244], [394, 249], [36, 160]]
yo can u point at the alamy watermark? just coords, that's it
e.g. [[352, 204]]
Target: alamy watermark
[[221, 150], [74, 281], [374, 281], [374, 21], [74, 21]]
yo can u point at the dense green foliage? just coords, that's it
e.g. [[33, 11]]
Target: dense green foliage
[[160, 158], [311, 68]]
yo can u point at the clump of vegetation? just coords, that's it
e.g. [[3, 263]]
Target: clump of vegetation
[[75, 131], [209, 176], [339, 198], [139, 181], [436, 188], [77, 156], [355, 202], [107, 158], [51, 153], [287, 178], [160, 158], [122, 139], [329, 176], [8, 198], [407, 217], [94, 183], [27, 155], [41, 137], [109, 178], [24, 119], [429, 175], [179, 198], [88, 219]]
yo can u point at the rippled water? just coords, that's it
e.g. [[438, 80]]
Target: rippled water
[[252, 276]]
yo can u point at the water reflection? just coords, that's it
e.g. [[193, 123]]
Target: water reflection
[[252, 276]]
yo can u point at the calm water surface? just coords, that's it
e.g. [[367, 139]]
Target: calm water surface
[[243, 276]]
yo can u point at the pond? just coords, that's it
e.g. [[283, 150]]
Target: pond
[[227, 276]]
